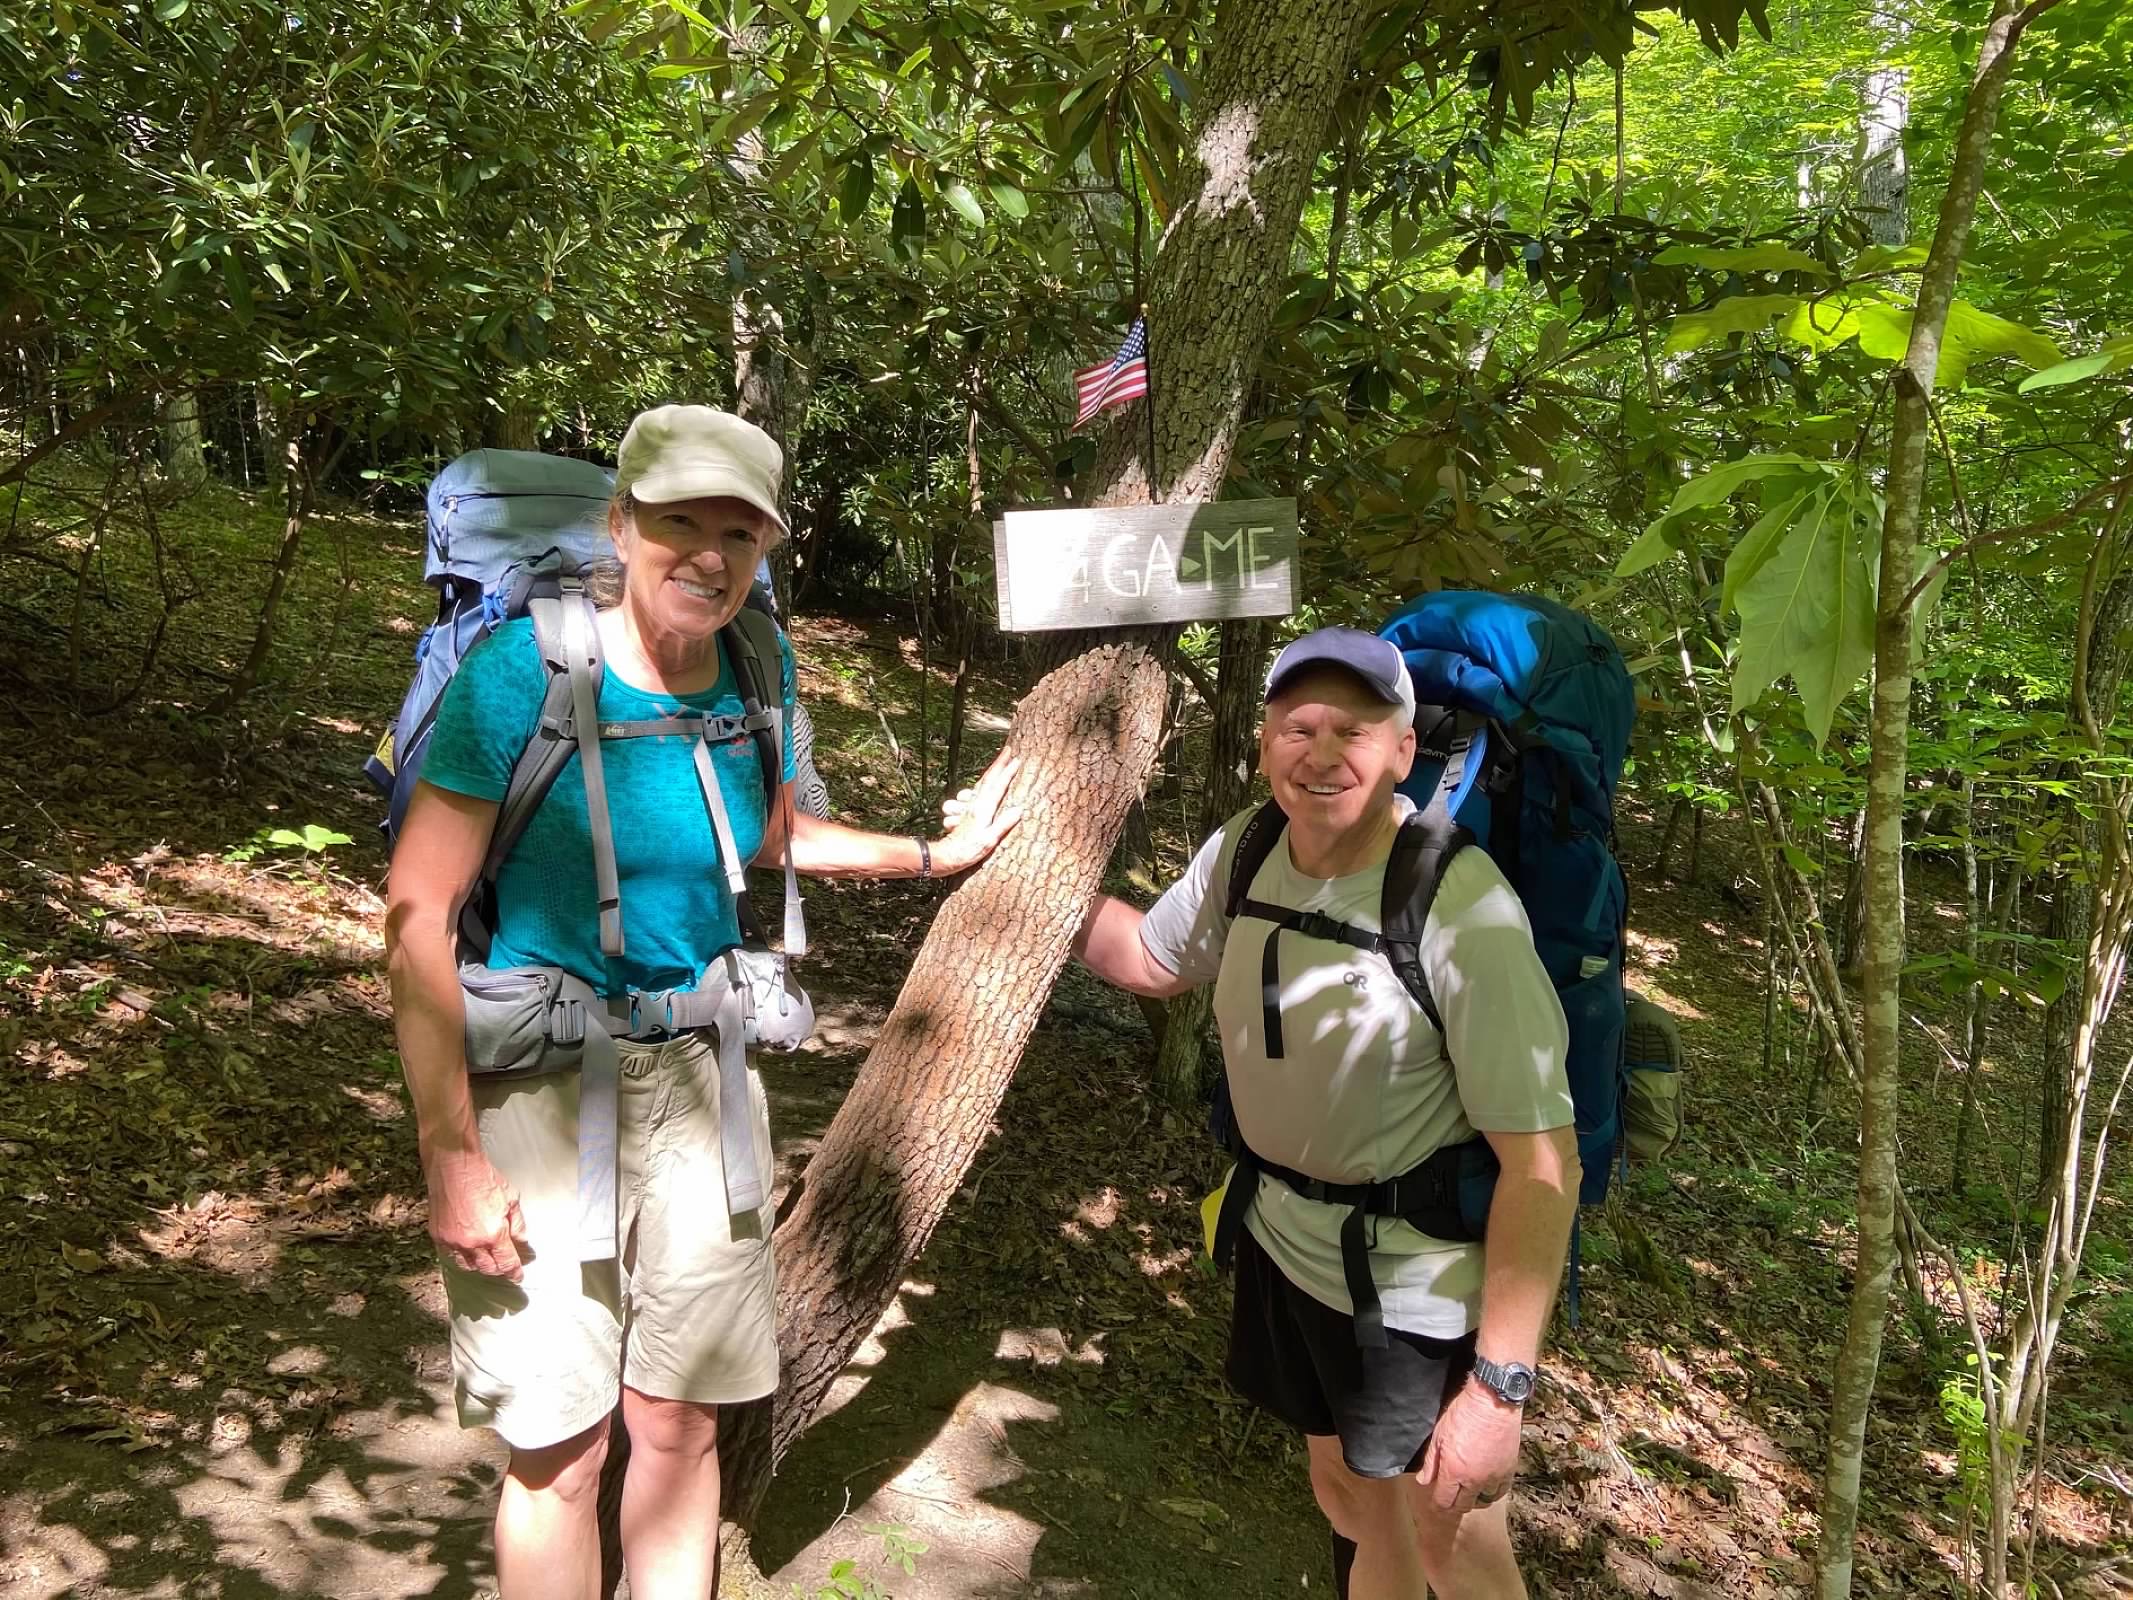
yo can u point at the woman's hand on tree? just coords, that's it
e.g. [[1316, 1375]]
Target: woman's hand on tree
[[977, 818], [474, 1215]]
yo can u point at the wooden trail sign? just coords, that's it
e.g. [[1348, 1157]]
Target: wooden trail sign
[[1116, 566]]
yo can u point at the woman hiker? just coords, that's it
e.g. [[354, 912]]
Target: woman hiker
[[670, 1309]]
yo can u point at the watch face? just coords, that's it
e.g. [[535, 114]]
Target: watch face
[[1518, 1384]]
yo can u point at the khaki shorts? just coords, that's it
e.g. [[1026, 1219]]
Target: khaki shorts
[[686, 1314]]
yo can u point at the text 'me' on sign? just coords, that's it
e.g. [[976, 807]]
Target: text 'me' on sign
[[1117, 566]]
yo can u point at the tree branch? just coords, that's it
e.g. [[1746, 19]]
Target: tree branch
[[1196, 675], [87, 422], [2027, 530]]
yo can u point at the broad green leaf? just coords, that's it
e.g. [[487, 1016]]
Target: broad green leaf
[[1751, 258], [1654, 545], [1721, 482], [1760, 542], [857, 190], [1884, 332], [1008, 198], [1887, 258], [2115, 356], [907, 220], [1981, 335], [1922, 610], [958, 195], [1740, 313], [836, 15], [1827, 321], [1971, 335], [1809, 613]]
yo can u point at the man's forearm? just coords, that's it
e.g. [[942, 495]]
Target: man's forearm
[[1109, 945], [1529, 1236]]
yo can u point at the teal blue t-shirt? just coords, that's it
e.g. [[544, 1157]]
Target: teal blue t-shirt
[[677, 913]]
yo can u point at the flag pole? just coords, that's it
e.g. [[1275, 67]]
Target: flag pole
[[1155, 484]]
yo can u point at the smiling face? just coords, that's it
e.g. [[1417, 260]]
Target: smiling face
[[689, 563], [1333, 752]]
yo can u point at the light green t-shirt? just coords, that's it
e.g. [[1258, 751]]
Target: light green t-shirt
[[1366, 1088]]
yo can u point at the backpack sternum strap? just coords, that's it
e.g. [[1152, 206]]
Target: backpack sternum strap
[[1312, 924]]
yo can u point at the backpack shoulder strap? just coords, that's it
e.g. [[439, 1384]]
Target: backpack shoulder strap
[[1421, 850], [1254, 845], [566, 633], [752, 647]]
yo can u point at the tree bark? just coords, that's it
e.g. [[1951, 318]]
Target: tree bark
[[924, 1102], [1884, 114], [184, 445], [1859, 1358]]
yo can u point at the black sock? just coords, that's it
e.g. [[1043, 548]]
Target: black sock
[[1343, 1560]]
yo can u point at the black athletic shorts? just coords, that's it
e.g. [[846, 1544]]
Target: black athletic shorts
[[1296, 1357]]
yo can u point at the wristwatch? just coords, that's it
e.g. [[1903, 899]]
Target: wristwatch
[[1510, 1381]]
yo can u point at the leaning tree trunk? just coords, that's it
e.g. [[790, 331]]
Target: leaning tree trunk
[[1860, 1356], [924, 1102], [1179, 1073]]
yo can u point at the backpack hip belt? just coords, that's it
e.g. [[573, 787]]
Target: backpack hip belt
[[1426, 1196], [521, 1021]]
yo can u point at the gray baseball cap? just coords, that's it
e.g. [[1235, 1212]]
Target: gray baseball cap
[[1377, 662]]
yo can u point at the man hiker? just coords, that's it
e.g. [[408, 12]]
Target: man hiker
[[1405, 1358]]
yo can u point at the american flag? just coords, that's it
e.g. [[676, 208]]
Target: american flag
[[1124, 377]]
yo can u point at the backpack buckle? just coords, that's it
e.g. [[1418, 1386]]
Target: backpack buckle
[[566, 1022]]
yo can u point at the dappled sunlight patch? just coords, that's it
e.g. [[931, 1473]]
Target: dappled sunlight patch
[[843, 1027], [1650, 949], [381, 1104], [974, 1545], [1101, 1211], [1160, 1264], [1047, 1347], [224, 1234], [45, 1560]]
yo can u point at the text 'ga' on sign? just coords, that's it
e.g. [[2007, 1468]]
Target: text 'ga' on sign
[[1116, 566]]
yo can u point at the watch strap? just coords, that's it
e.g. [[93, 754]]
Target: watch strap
[[1510, 1381]]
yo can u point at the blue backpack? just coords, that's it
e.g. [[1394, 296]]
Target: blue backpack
[[1522, 726], [1526, 710], [502, 524]]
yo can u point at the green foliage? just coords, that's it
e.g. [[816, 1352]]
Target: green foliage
[[847, 1581], [314, 841]]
